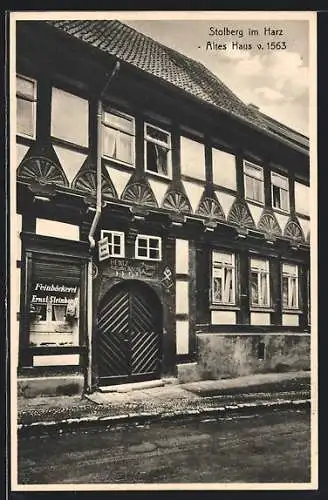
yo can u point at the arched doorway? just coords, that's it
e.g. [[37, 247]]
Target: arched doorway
[[129, 324]]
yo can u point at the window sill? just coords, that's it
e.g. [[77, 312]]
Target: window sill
[[156, 174], [281, 211], [118, 162], [255, 202], [26, 137], [224, 307], [292, 311], [262, 309]]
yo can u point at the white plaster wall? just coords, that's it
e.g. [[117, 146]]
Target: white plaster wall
[[182, 297], [71, 161], [290, 320], [302, 198], [119, 178], [182, 337], [223, 317], [56, 360], [57, 229], [258, 318], [181, 256]]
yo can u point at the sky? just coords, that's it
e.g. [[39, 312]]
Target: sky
[[275, 80]]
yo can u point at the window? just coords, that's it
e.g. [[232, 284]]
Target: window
[[260, 283], [289, 286], [115, 242], [223, 278], [254, 186], [280, 192], [192, 158], [157, 150], [148, 247], [118, 136], [69, 117], [224, 169], [26, 106], [302, 198]]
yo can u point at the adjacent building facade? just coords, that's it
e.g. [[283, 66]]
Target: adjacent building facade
[[162, 224]]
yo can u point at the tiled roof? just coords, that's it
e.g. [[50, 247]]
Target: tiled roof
[[284, 131], [141, 51], [130, 46]]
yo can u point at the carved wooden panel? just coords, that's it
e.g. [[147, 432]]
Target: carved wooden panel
[[139, 193], [269, 225], [210, 208], [176, 201], [294, 231], [239, 215], [86, 181], [41, 170]]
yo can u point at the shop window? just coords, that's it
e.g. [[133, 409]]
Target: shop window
[[115, 242], [157, 151], [69, 117], [223, 278], [289, 286], [119, 137], [260, 283], [54, 304], [148, 247], [280, 192], [26, 90], [302, 198], [254, 184], [192, 158]]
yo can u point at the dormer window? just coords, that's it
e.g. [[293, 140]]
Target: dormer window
[[119, 137], [157, 151]]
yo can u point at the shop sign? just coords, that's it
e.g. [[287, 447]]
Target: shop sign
[[103, 249], [49, 294]]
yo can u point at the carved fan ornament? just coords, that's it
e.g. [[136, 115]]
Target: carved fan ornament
[[239, 215], [140, 194], [42, 170], [86, 181], [269, 225], [174, 200], [293, 231], [211, 209]]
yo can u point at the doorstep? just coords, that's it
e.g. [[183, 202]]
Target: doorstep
[[134, 386]]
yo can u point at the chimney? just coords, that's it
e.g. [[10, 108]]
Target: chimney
[[254, 107]]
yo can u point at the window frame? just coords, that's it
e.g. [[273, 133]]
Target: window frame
[[260, 305], [111, 110], [290, 276], [159, 143], [105, 232], [285, 210], [20, 95], [260, 169], [148, 237], [233, 267]]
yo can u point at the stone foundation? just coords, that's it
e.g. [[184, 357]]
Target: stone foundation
[[231, 355], [63, 385]]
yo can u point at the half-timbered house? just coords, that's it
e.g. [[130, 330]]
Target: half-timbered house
[[162, 224]]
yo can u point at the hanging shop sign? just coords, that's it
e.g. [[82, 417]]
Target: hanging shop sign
[[103, 249]]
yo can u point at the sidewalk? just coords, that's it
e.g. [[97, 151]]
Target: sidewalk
[[167, 400]]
